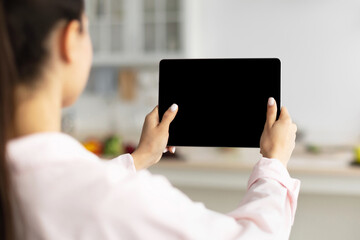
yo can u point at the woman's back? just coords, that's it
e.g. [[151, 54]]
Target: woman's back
[[62, 191]]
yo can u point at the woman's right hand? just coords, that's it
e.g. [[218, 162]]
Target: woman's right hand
[[154, 138], [278, 138]]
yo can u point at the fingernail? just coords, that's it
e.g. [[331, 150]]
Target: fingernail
[[165, 150], [271, 101], [173, 149], [174, 107]]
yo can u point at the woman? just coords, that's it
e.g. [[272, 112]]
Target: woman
[[52, 188]]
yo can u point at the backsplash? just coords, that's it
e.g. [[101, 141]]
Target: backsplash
[[104, 109]]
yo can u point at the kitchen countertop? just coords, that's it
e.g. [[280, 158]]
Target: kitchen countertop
[[328, 173], [295, 167], [338, 163]]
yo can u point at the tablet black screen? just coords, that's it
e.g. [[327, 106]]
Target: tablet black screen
[[222, 102]]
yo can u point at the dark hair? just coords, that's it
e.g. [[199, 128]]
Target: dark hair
[[24, 28]]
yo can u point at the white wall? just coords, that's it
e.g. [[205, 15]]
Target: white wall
[[318, 42]]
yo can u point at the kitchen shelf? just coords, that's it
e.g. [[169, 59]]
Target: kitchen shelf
[[131, 61]]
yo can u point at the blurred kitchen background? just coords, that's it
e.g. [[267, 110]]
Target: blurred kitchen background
[[318, 42]]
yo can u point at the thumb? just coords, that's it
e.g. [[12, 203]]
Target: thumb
[[169, 116], [284, 114], [152, 119], [271, 112]]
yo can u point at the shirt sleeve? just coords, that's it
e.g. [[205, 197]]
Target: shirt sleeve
[[147, 206], [271, 199], [126, 161]]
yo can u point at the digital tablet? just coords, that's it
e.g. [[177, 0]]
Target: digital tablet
[[222, 102]]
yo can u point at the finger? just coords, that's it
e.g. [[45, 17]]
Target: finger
[[153, 117], [271, 112], [284, 114], [169, 116], [294, 127], [172, 149]]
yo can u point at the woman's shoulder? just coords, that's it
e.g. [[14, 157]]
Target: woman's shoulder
[[39, 150]]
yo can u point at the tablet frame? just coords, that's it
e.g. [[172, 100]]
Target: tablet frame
[[163, 108]]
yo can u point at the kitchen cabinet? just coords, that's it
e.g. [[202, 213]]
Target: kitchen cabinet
[[135, 32]]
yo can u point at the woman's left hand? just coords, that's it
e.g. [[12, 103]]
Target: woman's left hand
[[154, 138]]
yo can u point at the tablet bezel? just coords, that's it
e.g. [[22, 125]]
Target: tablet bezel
[[162, 108]]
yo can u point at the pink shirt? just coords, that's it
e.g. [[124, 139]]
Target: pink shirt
[[62, 191]]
